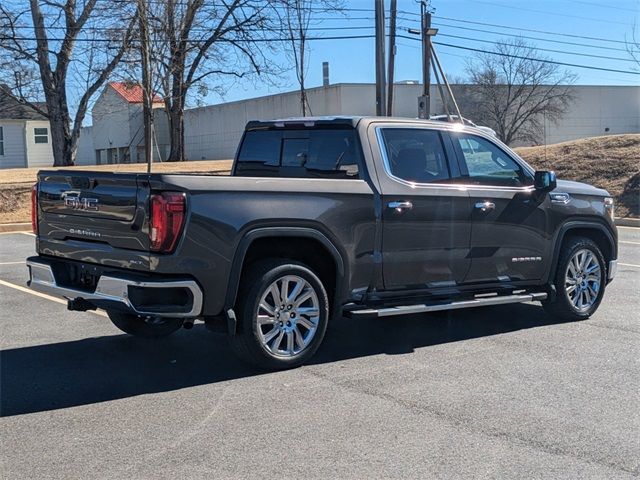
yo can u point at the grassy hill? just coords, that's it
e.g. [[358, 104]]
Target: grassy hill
[[610, 162]]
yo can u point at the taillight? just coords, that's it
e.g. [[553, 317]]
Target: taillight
[[167, 218], [34, 209]]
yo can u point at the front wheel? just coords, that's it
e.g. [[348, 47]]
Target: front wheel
[[580, 280], [283, 311], [148, 327]]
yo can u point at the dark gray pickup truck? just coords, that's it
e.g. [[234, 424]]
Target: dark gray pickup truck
[[320, 218]]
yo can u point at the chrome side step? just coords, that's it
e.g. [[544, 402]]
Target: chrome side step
[[476, 302]]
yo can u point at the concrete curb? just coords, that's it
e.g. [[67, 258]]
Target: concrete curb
[[15, 227], [628, 222]]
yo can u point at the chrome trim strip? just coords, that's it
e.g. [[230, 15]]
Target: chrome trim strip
[[455, 186], [477, 302], [111, 289], [613, 269]]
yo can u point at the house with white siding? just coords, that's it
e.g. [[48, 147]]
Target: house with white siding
[[25, 134]]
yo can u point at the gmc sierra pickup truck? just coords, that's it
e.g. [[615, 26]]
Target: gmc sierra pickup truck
[[323, 218]]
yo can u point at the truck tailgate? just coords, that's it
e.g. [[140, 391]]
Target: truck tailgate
[[100, 207]]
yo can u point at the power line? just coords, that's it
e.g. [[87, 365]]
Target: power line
[[370, 27], [199, 29], [554, 62], [279, 39], [608, 6], [545, 32], [562, 42], [600, 39], [564, 52], [524, 9], [353, 37]]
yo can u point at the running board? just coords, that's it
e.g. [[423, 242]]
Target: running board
[[435, 307]]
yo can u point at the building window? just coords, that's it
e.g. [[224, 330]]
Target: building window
[[41, 135], [1, 142]]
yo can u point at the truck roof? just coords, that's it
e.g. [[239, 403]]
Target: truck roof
[[335, 121]]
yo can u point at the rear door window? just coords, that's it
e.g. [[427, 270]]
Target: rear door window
[[415, 155], [322, 153]]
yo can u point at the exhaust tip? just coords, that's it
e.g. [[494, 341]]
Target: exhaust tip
[[188, 324]]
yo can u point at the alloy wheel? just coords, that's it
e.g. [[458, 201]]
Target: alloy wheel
[[287, 316], [583, 279]]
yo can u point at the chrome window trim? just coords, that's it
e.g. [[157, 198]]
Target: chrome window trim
[[455, 186]]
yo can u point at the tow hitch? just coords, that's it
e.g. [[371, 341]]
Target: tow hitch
[[80, 305]]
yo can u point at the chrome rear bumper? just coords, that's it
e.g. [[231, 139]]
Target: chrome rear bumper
[[114, 290]]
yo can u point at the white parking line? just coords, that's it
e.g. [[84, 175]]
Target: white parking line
[[627, 241], [17, 233], [13, 263], [42, 295], [628, 265]]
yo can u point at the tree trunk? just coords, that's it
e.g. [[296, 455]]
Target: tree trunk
[[63, 144], [176, 127]]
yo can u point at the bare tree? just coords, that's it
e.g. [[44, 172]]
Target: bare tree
[[39, 52], [297, 19], [516, 90], [297, 16], [633, 46], [196, 43]]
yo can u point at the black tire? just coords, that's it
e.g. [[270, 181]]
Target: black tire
[[247, 343], [146, 327], [561, 306]]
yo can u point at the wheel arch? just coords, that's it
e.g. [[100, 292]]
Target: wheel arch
[[257, 237], [595, 231]]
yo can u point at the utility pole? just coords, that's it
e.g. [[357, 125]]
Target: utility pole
[[147, 86], [380, 60], [392, 54], [424, 101]]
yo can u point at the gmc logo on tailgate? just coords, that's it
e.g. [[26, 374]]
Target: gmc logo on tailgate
[[72, 200]]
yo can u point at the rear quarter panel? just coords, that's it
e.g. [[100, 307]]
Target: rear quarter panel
[[222, 210]]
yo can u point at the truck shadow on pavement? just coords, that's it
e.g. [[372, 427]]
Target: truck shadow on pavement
[[93, 370]]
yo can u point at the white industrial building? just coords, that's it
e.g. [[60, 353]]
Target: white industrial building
[[213, 132]]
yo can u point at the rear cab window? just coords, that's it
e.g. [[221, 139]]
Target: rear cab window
[[319, 153]]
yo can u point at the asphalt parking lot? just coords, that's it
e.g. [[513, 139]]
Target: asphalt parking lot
[[502, 392]]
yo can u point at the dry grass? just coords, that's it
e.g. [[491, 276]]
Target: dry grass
[[611, 162]]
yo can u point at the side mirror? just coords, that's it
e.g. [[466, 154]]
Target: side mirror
[[544, 181]]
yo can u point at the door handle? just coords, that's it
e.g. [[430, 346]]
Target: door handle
[[485, 206], [400, 206]]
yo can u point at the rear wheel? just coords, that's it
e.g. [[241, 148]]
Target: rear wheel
[[145, 326], [283, 311], [580, 280]]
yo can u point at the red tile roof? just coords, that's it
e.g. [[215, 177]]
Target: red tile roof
[[131, 92]]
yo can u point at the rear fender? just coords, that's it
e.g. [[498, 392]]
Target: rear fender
[[250, 237]]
